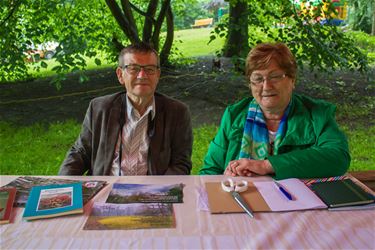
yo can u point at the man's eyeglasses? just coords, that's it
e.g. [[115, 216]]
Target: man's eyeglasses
[[134, 69], [258, 79]]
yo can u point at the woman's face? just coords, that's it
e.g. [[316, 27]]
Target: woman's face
[[274, 91]]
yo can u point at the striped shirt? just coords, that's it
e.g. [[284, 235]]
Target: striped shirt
[[135, 142]]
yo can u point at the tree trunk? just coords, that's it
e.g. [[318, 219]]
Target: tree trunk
[[149, 21], [159, 21], [237, 40], [127, 25], [164, 54]]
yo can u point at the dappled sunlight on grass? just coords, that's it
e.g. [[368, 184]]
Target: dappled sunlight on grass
[[35, 69]]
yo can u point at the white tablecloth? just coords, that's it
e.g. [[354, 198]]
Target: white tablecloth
[[195, 229]]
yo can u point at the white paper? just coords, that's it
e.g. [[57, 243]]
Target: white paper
[[303, 197], [202, 201]]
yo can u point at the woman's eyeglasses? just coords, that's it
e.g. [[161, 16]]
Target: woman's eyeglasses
[[258, 79], [134, 69]]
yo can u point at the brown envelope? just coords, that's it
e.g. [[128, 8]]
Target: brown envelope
[[223, 202]]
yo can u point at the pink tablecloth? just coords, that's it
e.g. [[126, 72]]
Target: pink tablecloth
[[196, 229]]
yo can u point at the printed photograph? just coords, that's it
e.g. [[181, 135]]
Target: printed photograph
[[107, 216], [145, 193], [55, 198]]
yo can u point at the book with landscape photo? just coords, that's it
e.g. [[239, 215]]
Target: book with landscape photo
[[25, 183], [111, 216], [144, 193], [54, 200], [7, 196]]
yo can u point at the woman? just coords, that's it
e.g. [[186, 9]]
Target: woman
[[277, 132]]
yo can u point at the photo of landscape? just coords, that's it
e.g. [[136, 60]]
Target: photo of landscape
[[106, 216], [145, 193]]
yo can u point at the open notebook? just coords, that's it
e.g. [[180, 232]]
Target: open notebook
[[264, 196]]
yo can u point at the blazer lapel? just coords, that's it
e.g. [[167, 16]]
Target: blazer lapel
[[156, 141], [111, 135]]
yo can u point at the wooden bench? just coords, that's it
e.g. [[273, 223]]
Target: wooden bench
[[366, 177], [202, 23]]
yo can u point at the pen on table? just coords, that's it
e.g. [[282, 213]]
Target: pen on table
[[237, 197], [283, 190]]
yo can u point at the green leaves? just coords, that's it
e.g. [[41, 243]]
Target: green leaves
[[322, 47], [77, 26], [97, 61], [43, 64]]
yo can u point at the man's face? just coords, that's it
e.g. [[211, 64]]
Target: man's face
[[273, 95], [139, 85]]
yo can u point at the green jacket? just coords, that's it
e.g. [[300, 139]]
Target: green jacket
[[313, 145]]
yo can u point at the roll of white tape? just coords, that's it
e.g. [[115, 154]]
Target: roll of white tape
[[241, 186], [227, 185]]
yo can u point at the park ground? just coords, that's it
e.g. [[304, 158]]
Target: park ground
[[38, 122], [205, 89]]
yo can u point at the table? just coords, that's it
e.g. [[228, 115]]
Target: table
[[366, 177], [195, 229]]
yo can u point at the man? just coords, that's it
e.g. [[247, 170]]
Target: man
[[149, 133]]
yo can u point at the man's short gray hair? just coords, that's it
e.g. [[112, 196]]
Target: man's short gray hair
[[141, 47]]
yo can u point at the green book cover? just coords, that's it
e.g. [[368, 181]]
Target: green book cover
[[341, 193]]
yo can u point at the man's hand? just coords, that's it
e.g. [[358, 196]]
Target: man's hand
[[247, 167]]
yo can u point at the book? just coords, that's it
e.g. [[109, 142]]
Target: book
[[370, 206], [25, 183], [341, 193], [7, 196], [145, 193], [111, 216], [264, 196], [54, 200]]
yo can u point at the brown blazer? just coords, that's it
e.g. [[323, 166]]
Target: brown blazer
[[93, 151]]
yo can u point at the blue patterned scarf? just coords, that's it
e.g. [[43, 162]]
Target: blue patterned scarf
[[255, 143]]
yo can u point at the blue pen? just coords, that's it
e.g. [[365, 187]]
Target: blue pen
[[283, 190]]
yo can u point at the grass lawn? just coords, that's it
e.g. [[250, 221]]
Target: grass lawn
[[46, 72], [190, 43], [38, 150], [194, 42]]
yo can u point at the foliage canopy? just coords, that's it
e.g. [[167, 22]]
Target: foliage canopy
[[76, 25], [82, 28], [322, 46]]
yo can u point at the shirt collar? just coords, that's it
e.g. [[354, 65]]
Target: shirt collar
[[132, 112]]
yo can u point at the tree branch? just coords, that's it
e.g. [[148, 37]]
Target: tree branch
[[159, 21], [122, 20], [126, 8], [164, 54], [149, 20], [16, 5]]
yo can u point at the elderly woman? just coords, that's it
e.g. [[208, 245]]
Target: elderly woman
[[277, 132]]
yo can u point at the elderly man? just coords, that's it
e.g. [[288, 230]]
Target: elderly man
[[137, 132]]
